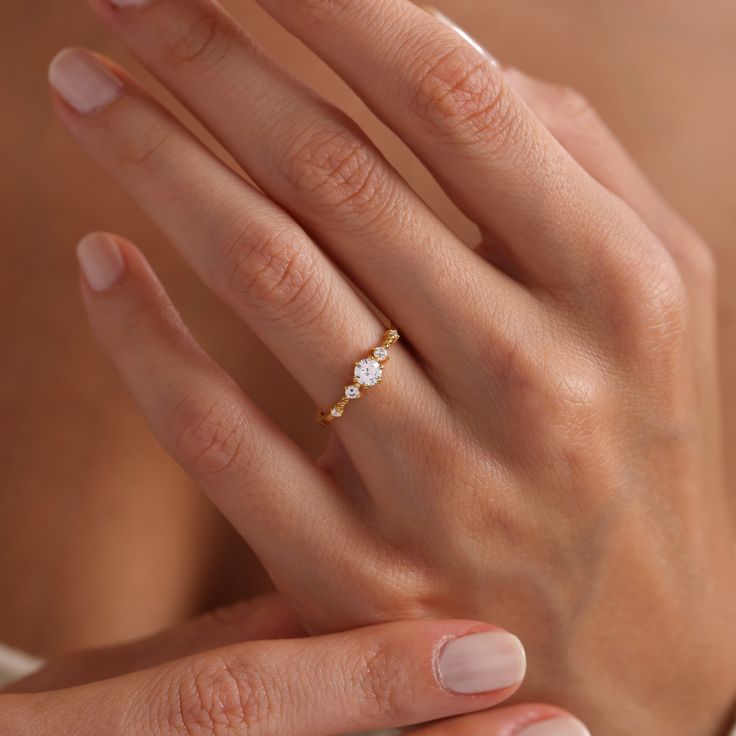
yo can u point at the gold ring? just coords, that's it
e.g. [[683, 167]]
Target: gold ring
[[368, 372]]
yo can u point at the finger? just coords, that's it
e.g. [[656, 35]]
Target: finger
[[244, 246], [453, 107], [574, 122], [382, 676], [267, 617], [579, 128], [516, 720], [263, 483], [312, 159]]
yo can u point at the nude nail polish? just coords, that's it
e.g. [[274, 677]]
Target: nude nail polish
[[556, 727], [82, 81], [480, 663], [442, 18], [101, 261]]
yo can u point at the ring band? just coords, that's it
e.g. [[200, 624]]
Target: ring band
[[368, 372]]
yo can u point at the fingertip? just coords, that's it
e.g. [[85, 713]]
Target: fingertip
[[116, 11], [61, 59], [556, 726], [101, 261], [83, 80], [522, 719]]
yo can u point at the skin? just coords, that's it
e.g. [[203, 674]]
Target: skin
[[559, 392], [702, 207], [244, 670], [54, 421]]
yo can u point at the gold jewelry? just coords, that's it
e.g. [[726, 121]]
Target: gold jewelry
[[368, 372]]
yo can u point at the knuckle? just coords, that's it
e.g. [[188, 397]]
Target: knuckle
[[547, 393], [213, 696], [337, 168], [666, 301], [578, 402], [200, 43], [654, 311], [512, 364], [379, 680], [697, 263], [645, 300], [278, 274], [459, 93], [210, 435], [148, 146]]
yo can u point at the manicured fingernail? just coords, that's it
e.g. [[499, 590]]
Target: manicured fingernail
[[556, 727], [83, 82], [481, 663], [442, 18], [100, 260]]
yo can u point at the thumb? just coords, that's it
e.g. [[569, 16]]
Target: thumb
[[377, 677]]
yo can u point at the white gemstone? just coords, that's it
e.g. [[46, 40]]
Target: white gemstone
[[392, 335], [368, 372], [352, 392], [380, 353], [336, 413]]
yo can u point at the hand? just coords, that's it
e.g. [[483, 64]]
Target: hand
[[383, 676], [544, 449]]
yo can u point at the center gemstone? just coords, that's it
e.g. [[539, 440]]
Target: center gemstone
[[368, 372]]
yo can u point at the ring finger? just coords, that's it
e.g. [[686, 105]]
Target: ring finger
[[243, 245]]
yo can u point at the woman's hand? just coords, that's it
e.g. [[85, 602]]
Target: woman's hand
[[544, 448], [384, 676]]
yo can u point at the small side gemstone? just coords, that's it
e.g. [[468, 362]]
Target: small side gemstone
[[352, 392], [336, 412], [392, 335], [380, 353]]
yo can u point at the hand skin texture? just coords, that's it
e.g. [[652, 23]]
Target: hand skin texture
[[258, 679], [544, 450]]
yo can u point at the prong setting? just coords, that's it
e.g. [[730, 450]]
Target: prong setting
[[367, 372]]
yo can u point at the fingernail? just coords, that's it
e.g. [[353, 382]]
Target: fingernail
[[556, 727], [100, 260], [442, 18], [82, 81], [481, 663]]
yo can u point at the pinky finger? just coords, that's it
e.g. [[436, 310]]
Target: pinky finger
[[267, 486], [514, 720], [576, 125]]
